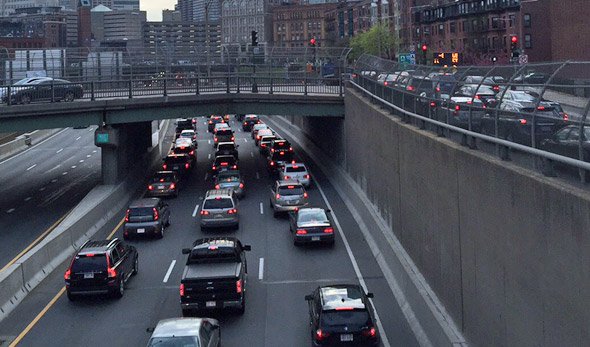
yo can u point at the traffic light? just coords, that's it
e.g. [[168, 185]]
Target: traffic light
[[312, 42], [514, 46], [254, 38], [424, 50]]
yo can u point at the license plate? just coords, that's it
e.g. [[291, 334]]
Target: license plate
[[160, 187], [140, 231], [315, 238], [346, 337], [88, 275], [175, 167], [218, 216], [210, 304]]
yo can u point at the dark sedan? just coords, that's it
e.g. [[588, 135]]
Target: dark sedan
[[311, 225], [164, 183], [45, 90], [566, 142]]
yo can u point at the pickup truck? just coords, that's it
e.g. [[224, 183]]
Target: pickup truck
[[215, 276]]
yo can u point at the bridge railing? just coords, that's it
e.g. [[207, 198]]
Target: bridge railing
[[538, 109]]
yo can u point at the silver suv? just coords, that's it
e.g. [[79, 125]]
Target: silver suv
[[220, 209], [186, 332], [295, 172], [286, 196]]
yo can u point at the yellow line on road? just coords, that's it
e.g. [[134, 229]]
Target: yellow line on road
[[53, 301], [37, 240]]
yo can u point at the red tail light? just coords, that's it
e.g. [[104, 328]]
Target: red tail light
[[217, 186], [186, 166], [522, 121], [321, 335], [127, 216], [272, 163], [329, 230], [164, 166], [354, 75], [111, 272], [182, 289], [257, 137], [301, 232], [566, 117], [194, 121], [287, 177], [346, 308], [215, 139], [290, 149], [272, 150], [156, 214], [173, 186], [204, 213], [241, 185], [457, 108], [541, 108], [305, 195], [233, 138], [385, 83], [263, 145], [210, 122], [432, 104], [234, 167], [150, 187], [213, 167], [410, 88], [496, 88], [192, 153], [306, 176], [68, 274], [232, 211], [239, 286], [278, 196], [370, 332], [438, 89], [477, 97]]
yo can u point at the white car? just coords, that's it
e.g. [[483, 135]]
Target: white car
[[295, 172], [189, 135], [220, 126]]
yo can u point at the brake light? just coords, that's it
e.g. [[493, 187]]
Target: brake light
[[257, 137], [111, 272], [370, 332], [566, 117], [438, 89], [287, 177], [217, 186], [241, 185], [234, 167], [213, 167], [354, 75], [224, 164], [345, 308], [410, 88], [306, 176], [182, 147], [204, 213], [432, 104], [239, 286], [457, 108], [245, 123], [68, 274], [290, 187], [290, 149], [477, 96], [329, 230], [194, 121], [210, 122], [278, 196], [215, 139], [272, 163], [305, 195], [385, 83], [233, 138], [263, 145], [523, 121], [496, 88], [321, 335], [541, 108], [232, 211], [186, 166], [150, 187], [282, 153], [182, 289], [301, 232], [272, 150], [192, 153], [164, 166], [173, 186], [127, 216]]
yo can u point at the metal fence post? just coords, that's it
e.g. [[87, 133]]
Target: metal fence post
[[197, 85], [92, 98], [271, 87], [165, 85], [340, 85], [130, 89], [227, 85], [238, 83], [52, 91], [305, 84], [9, 95]]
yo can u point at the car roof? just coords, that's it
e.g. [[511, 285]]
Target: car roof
[[222, 241], [187, 131], [289, 183], [225, 156], [145, 202], [341, 296], [214, 193], [96, 246], [178, 327], [295, 165]]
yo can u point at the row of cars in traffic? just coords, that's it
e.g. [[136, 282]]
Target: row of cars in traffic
[[492, 105], [216, 272]]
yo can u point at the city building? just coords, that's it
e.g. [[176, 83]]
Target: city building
[[348, 19], [112, 27], [180, 41], [239, 19], [26, 24], [296, 25], [8, 7], [118, 5], [210, 7], [171, 16], [185, 7]]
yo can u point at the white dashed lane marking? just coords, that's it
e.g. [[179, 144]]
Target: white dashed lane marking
[[169, 271], [79, 137], [30, 167], [11, 210], [196, 210], [261, 269], [61, 149]]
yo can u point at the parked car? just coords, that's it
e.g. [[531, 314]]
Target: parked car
[[147, 216], [44, 90], [186, 332], [163, 183], [101, 267], [220, 209], [311, 225]]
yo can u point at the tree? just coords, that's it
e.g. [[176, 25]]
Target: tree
[[379, 41]]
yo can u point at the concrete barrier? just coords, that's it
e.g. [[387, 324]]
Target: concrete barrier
[[24, 142], [13, 288]]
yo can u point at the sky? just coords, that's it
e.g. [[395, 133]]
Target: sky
[[154, 8]]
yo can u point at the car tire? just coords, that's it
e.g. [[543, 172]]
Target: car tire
[[160, 234], [242, 308], [168, 222], [125, 237], [295, 243], [120, 291], [203, 229], [69, 96], [71, 296], [187, 313], [136, 266], [275, 214]]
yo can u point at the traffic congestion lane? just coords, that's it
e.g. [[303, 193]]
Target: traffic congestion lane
[[276, 312], [40, 185]]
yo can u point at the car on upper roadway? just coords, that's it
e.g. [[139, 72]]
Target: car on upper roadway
[[224, 162], [146, 216], [311, 225], [295, 172], [286, 196], [213, 120], [163, 183], [227, 148], [220, 209], [566, 142], [223, 135], [230, 179], [181, 163], [458, 109], [101, 267], [44, 90], [186, 332], [342, 315], [189, 135], [249, 121], [257, 127]]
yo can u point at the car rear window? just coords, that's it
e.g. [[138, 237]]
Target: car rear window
[[226, 147], [175, 341], [140, 211], [224, 132], [352, 317], [291, 190], [176, 160], [295, 169], [167, 177], [282, 155], [309, 216], [217, 203], [83, 263]]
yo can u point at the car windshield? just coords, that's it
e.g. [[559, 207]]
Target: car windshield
[[163, 177], [312, 216], [291, 190], [174, 341], [352, 317], [523, 97], [295, 169], [218, 203], [95, 263]]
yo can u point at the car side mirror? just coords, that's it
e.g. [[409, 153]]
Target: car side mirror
[[328, 211], [186, 251], [370, 295], [237, 146], [247, 247], [309, 297], [150, 330]]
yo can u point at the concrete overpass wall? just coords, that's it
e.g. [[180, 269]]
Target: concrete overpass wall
[[506, 250]]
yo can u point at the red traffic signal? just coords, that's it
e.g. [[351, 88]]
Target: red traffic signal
[[514, 39], [424, 48], [312, 41]]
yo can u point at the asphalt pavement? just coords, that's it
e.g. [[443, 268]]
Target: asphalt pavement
[[280, 274], [40, 185]]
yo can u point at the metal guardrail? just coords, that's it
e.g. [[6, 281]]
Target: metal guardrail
[[539, 109]]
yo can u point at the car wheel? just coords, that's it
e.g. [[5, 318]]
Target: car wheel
[[25, 99], [69, 97], [295, 243], [125, 237], [203, 229], [121, 288], [168, 222], [270, 203], [160, 234], [242, 308], [186, 313], [71, 296], [136, 266], [275, 214]]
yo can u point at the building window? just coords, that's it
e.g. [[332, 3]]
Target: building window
[[528, 41], [527, 20], [452, 27]]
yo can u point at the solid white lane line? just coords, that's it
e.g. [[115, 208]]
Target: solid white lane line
[[195, 210], [73, 166], [261, 269], [206, 176], [64, 173], [355, 265], [79, 137], [28, 198], [30, 167], [261, 208], [245, 140], [59, 151], [81, 161], [169, 271], [257, 175], [209, 156], [11, 210], [42, 189]]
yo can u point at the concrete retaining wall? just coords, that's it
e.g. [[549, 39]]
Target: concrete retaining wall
[[506, 250], [20, 143]]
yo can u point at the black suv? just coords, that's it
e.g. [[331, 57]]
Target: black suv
[[180, 163], [342, 314], [146, 216], [249, 121], [101, 267]]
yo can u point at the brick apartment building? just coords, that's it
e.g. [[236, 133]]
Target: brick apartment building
[[295, 25]]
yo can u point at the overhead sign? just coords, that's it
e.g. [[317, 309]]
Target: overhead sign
[[407, 58], [447, 59]]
